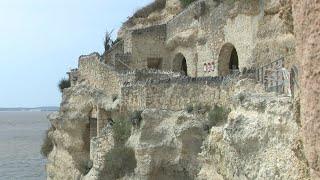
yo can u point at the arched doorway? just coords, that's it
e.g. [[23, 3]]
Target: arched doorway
[[228, 61], [180, 64]]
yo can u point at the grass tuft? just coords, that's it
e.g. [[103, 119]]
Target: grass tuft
[[186, 3], [47, 145], [119, 161], [218, 115]]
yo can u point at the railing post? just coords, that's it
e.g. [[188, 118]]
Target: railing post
[[277, 79]]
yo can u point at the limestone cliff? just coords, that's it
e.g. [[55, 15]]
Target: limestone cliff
[[195, 93], [259, 140], [150, 16], [307, 27]]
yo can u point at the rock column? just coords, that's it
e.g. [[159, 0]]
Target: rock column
[[307, 31]]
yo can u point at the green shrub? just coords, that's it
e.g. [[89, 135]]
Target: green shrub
[[114, 97], [84, 166], [121, 130], [241, 98], [217, 115], [119, 161], [116, 41], [199, 108], [144, 12], [88, 167], [47, 145], [262, 106], [64, 83], [135, 118], [186, 3], [189, 108]]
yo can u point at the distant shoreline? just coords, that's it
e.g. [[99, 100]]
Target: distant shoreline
[[37, 109]]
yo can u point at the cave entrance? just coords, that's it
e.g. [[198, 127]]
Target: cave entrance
[[180, 64], [228, 61]]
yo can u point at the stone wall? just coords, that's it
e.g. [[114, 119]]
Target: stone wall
[[260, 31], [110, 80], [178, 93], [98, 74], [181, 22], [118, 48], [100, 146], [73, 76], [149, 43]]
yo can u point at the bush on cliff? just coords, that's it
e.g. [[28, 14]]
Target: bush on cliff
[[144, 12], [119, 161], [189, 108], [185, 3], [108, 42], [47, 145], [136, 118], [217, 115], [200, 108], [64, 83], [121, 130], [114, 97]]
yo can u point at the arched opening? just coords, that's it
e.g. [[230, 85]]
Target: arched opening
[[180, 64], [228, 62]]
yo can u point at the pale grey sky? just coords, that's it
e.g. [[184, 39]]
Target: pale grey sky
[[41, 39]]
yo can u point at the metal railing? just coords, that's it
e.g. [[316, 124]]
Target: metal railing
[[271, 76]]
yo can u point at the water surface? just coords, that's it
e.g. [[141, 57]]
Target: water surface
[[21, 135]]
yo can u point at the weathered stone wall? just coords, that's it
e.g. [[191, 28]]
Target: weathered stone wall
[[260, 31], [110, 80], [73, 76], [149, 43], [118, 48], [181, 22], [148, 74], [100, 146], [177, 93], [182, 39], [98, 74]]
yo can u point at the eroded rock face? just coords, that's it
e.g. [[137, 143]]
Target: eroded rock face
[[167, 144], [307, 31], [172, 8], [259, 141], [70, 158]]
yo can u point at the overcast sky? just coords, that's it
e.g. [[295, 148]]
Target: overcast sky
[[41, 39]]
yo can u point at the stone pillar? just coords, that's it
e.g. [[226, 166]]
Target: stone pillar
[[306, 16], [102, 118]]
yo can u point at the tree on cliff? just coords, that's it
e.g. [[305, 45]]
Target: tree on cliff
[[108, 41]]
